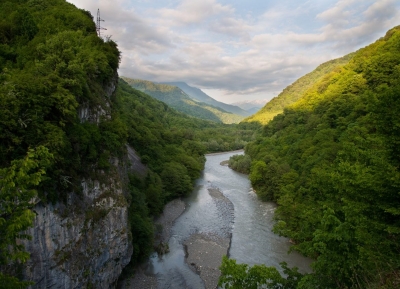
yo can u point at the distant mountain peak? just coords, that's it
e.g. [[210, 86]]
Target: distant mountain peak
[[173, 95], [198, 95]]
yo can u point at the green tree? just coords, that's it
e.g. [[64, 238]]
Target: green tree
[[241, 276], [18, 195]]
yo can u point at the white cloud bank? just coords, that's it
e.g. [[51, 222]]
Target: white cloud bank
[[235, 53]]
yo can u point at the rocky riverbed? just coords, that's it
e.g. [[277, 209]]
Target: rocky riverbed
[[203, 251]]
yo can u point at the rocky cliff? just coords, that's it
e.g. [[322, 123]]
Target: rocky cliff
[[85, 241], [81, 243]]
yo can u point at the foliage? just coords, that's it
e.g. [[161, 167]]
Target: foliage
[[240, 163], [179, 100], [17, 195], [172, 145], [199, 96], [56, 82], [140, 221], [222, 138], [51, 63], [331, 162], [241, 276], [295, 91]]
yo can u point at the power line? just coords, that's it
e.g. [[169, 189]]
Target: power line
[[98, 25]]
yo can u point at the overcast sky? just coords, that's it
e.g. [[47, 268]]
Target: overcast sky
[[239, 49]]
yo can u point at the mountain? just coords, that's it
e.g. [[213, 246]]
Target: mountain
[[200, 96], [293, 92], [331, 160], [252, 106], [86, 161], [179, 100]]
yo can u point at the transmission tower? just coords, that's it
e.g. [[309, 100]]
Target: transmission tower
[[98, 25]]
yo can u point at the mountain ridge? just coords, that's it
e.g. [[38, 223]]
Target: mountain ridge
[[181, 101], [201, 96], [252, 106], [294, 91], [331, 161]]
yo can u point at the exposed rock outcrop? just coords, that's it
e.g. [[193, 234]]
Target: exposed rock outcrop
[[84, 242], [81, 243]]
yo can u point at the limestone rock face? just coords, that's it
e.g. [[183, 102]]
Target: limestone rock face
[[82, 243], [92, 113]]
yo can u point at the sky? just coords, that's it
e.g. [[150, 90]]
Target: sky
[[238, 50]]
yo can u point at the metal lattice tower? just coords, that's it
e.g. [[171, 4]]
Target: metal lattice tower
[[98, 25]]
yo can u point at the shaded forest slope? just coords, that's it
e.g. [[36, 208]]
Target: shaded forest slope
[[179, 100], [331, 161], [198, 95]]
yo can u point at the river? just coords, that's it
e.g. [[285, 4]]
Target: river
[[234, 221]]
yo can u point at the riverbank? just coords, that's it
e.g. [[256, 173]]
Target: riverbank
[[163, 225], [222, 153], [204, 252], [198, 239], [164, 222]]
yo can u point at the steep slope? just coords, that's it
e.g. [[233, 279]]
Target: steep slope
[[176, 98], [77, 202], [295, 91], [59, 182], [199, 95], [331, 161]]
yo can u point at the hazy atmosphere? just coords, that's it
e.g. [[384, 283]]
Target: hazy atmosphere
[[238, 50]]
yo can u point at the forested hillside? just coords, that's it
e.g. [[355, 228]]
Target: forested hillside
[[331, 161], [179, 100], [295, 91], [53, 65], [64, 126], [198, 95]]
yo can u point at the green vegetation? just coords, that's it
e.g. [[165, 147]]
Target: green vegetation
[[240, 163], [172, 145], [17, 192], [331, 161], [198, 95], [295, 91], [51, 62], [164, 139], [241, 276], [179, 100], [59, 123]]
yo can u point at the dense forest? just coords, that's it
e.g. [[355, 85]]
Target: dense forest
[[199, 96], [179, 100], [295, 91], [52, 64], [172, 145], [61, 122], [330, 159], [331, 162]]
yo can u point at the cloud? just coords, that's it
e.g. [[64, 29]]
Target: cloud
[[338, 15], [384, 9], [231, 26], [240, 52], [192, 12], [366, 25]]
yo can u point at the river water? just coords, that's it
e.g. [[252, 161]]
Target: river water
[[249, 223]]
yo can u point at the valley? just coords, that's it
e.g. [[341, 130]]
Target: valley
[[109, 180]]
